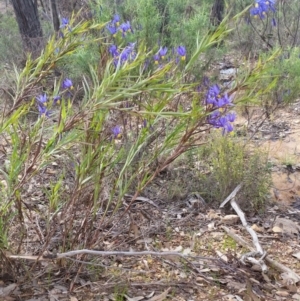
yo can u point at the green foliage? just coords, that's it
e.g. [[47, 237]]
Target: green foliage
[[10, 42], [167, 23], [287, 68], [226, 163], [229, 243], [254, 35]]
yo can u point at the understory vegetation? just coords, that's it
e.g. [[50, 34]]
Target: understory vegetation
[[124, 102]]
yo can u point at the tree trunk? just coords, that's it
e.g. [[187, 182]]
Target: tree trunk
[[54, 13], [217, 11], [29, 24]]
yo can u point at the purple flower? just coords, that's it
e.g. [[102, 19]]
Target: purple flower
[[214, 98], [217, 120], [181, 52], [261, 8], [131, 51], [125, 54], [64, 22], [116, 131], [67, 84], [213, 95], [224, 100], [43, 111], [56, 100], [124, 27], [42, 99], [113, 50], [112, 29], [231, 116], [274, 23], [156, 58], [116, 19], [163, 51]]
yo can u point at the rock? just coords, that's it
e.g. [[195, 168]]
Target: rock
[[277, 229], [257, 228], [284, 225], [282, 293], [230, 219], [296, 297]]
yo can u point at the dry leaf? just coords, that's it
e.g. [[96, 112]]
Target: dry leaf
[[249, 295], [297, 255], [162, 296], [144, 240], [134, 298], [73, 298], [135, 229], [212, 214], [222, 256], [150, 295], [289, 278], [5, 291]]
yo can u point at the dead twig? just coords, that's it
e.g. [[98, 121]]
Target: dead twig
[[258, 249], [279, 266], [101, 253]]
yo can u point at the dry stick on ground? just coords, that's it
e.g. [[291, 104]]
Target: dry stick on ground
[[104, 253], [259, 251], [110, 253], [279, 266]]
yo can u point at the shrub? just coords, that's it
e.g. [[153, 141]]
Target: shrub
[[135, 117], [227, 162]]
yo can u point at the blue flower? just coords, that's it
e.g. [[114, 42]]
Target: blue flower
[[113, 50], [214, 98], [156, 58], [116, 20], [42, 99], [162, 52], [127, 54], [182, 52], [217, 120], [43, 111], [112, 29], [231, 116], [56, 100], [67, 84], [64, 22], [116, 131], [261, 8], [125, 27]]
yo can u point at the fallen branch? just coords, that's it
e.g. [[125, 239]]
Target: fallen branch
[[259, 251], [279, 266], [232, 195], [103, 253]]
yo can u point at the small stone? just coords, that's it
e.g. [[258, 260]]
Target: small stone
[[282, 293], [296, 297], [277, 229], [257, 228], [230, 219]]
